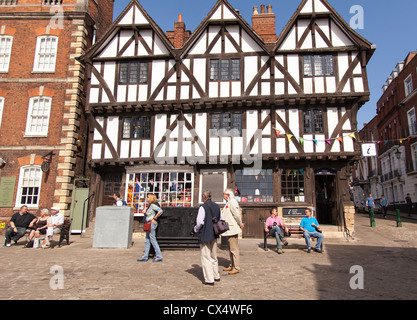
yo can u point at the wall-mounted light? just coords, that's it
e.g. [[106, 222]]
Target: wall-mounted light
[[2, 163], [398, 154]]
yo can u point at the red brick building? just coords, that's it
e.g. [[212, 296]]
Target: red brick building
[[41, 98]]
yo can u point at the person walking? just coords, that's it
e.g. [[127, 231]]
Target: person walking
[[231, 214], [409, 204], [384, 204], [370, 203], [207, 238], [153, 212]]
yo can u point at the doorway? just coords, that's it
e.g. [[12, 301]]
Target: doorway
[[325, 198]]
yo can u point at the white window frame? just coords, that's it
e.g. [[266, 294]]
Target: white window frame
[[408, 84], [48, 51], [1, 108], [36, 184], [412, 121], [31, 116], [5, 52]]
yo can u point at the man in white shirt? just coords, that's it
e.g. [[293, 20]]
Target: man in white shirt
[[56, 220]]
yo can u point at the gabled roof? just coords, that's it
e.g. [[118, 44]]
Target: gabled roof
[[133, 16], [222, 11], [313, 8]]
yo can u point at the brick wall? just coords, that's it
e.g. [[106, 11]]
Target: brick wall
[[65, 86]]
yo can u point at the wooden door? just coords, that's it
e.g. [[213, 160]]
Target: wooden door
[[253, 218]]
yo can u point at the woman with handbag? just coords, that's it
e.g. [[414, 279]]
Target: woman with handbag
[[231, 214], [153, 212]]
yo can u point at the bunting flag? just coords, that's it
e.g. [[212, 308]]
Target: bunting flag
[[315, 141], [301, 140], [352, 135], [295, 173], [277, 132], [401, 141], [328, 141], [340, 139], [289, 136]]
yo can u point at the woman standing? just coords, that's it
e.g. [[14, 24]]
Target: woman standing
[[153, 212], [231, 214]]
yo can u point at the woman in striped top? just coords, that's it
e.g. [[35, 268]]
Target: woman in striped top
[[153, 212]]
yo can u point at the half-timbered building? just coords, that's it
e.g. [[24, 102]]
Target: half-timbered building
[[273, 118]]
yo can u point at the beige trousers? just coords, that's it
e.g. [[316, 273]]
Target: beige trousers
[[234, 252], [209, 261]]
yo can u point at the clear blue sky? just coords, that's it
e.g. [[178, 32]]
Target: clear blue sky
[[390, 25]]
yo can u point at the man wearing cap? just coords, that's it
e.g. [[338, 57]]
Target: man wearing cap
[[56, 220]]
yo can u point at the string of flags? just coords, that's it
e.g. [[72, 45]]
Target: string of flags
[[328, 141]]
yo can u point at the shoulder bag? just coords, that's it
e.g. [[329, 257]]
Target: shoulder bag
[[219, 226]]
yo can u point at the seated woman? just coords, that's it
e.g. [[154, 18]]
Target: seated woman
[[272, 227], [41, 226]]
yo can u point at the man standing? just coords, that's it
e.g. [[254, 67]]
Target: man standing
[[409, 204], [310, 228], [19, 222], [231, 214], [207, 238]]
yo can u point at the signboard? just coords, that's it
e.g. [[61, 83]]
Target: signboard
[[7, 191], [369, 150], [293, 212]]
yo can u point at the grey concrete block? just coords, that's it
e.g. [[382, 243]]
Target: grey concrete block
[[113, 227]]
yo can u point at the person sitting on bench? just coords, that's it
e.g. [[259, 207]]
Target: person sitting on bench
[[310, 228], [19, 222], [272, 227]]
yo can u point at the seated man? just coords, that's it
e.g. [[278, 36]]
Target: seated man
[[56, 221], [309, 226], [272, 227], [19, 222]]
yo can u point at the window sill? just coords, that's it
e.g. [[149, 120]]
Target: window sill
[[35, 136]]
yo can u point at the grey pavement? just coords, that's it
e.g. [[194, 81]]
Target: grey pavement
[[387, 255]]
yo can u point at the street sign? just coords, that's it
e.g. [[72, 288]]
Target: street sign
[[369, 150]]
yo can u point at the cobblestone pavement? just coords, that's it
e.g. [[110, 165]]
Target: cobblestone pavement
[[386, 254]]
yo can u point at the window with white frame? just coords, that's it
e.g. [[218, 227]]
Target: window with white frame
[[1, 108], [408, 83], [414, 157], [411, 115], [38, 116], [29, 187], [5, 52], [46, 52]]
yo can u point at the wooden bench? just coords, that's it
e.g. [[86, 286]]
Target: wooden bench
[[294, 229], [63, 234]]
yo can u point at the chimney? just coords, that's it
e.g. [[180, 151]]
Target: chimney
[[179, 36], [264, 23]]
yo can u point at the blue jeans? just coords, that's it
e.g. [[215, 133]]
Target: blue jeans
[[276, 232], [151, 238], [11, 235], [314, 234]]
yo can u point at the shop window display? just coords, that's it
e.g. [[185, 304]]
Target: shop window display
[[173, 188]]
